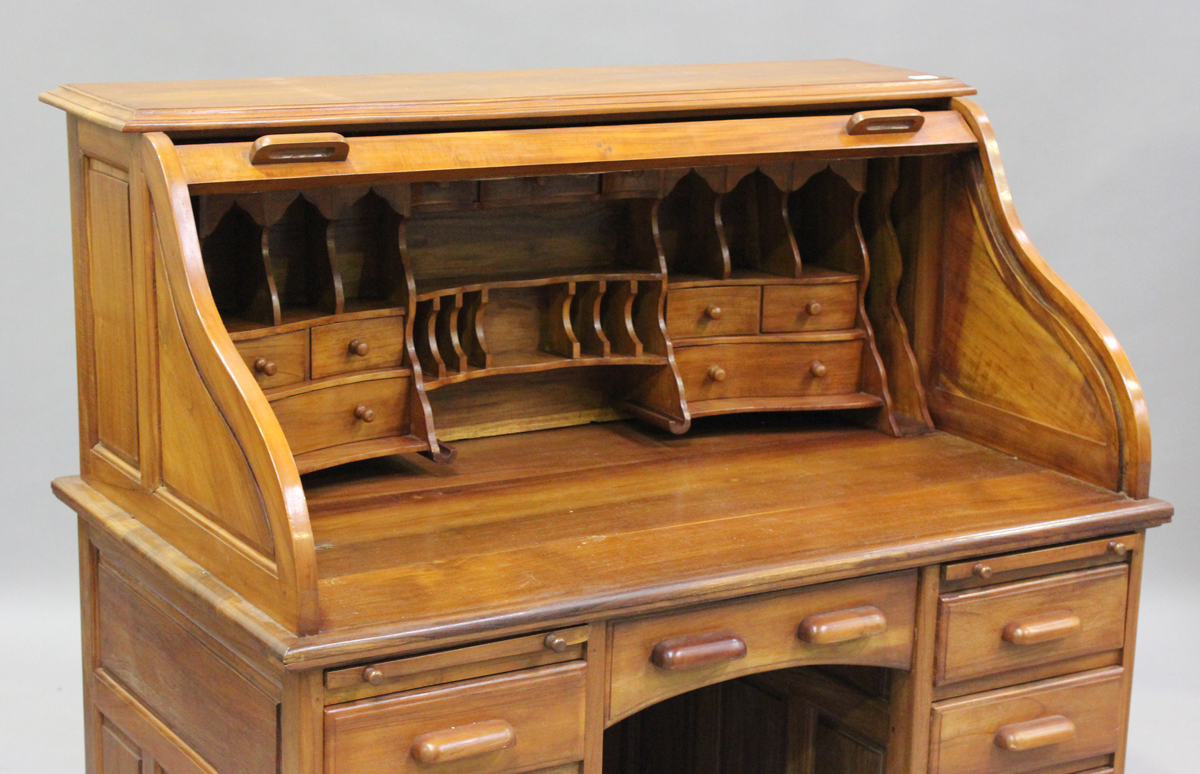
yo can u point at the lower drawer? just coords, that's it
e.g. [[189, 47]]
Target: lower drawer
[[862, 621], [513, 722], [360, 411], [771, 370], [1030, 727]]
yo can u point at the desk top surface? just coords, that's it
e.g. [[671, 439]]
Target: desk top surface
[[604, 519], [529, 96]]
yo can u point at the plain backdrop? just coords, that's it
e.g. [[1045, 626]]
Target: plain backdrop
[[1097, 109]]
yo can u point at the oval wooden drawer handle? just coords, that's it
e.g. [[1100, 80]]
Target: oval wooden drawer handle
[[1033, 734], [697, 650], [266, 367], [818, 369], [897, 121], [813, 308], [1037, 629], [285, 148], [364, 413], [716, 373], [455, 744], [842, 625], [359, 347], [713, 312]]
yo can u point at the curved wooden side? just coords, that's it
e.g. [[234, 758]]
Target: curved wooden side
[[1072, 324], [247, 418]]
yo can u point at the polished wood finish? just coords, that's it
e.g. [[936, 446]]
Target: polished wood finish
[[775, 445]]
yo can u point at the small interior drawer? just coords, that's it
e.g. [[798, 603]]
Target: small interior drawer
[[862, 621], [345, 413], [1000, 628], [357, 345], [277, 360], [769, 370], [512, 722], [797, 308], [713, 311], [1030, 727]]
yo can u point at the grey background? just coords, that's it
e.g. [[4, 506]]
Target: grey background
[[1098, 116]]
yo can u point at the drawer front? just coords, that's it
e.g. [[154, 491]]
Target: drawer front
[[357, 345], [717, 311], [278, 360], [1029, 728], [445, 194], [770, 370], [1032, 622], [863, 621], [523, 189], [513, 722], [330, 416], [640, 182], [794, 308]]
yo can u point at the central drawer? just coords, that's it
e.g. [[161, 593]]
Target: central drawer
[[862, 621], [507, 723], [770, 370]]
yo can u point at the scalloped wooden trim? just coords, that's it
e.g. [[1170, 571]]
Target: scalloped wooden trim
[[1124, 389]]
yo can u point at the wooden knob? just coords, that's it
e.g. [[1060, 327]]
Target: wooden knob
[[697, 650], [556, 643], [716, 373], [817, 369], [712, 312], [455, 744], [1046, 627], [813, 308], [842, 625], [266, 367], [1033, 734], [364, 413], [981, 571], [1117, 548], [373, 675], [359, 348], [541, 182]]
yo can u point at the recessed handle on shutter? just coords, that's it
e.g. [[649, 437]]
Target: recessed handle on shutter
[[294, 148], [455, 744], [898, 121], [1046, 627], [842, 625], [1033, 734], [697, 650]]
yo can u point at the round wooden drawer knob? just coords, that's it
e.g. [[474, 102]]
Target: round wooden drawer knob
[[981, 571], [557, 643], [716, 373], [813, 308], [818, 369], [359, 348], [1117, 548], [266, 367], [364, 413], [713, 312], [373, 675]]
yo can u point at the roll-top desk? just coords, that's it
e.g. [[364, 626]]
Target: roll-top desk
[[673, 419]]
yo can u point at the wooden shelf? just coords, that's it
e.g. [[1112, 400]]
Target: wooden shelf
[[440, 286], [361, 450], [295, 320], [858, 400], [809, 275], [527, 362]]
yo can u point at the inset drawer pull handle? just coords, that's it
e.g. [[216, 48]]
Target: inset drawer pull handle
[[813, 308], [364, 413], [716, 373], [818, 369], [266, 367], [359, 347], [1033, 734], [898, 121], [284, 148], [842, 625], [455, 744], [713, 312], [698, 650], [1037, 629]]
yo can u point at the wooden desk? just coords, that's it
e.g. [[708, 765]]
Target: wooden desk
[[676, 419]]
